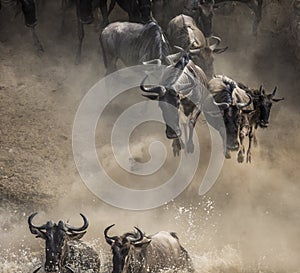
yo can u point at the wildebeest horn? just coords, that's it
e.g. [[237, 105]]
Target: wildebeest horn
[[260, 90], [159, 90], [84, 227], [218, 41], [274, 91], [222, 105], [276, 100], [37, 269], [140, 236], [195, 51], [33, 226], [108, 238], [241, 105], [179, 54], [155, 61]]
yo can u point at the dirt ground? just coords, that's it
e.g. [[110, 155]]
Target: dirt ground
[[248, 222]]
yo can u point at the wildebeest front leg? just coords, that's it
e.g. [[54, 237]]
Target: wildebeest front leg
[[251, 135], [191, 123], [241, 152], [80, 30], [177, 146], [103, 8], [36, 41]]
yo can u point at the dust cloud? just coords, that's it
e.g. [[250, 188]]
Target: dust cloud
[[248, 222]]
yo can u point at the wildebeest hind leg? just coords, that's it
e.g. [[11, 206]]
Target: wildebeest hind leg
[[249, 155], [103, 8], [36, 41], [80, 40], [192, 122]]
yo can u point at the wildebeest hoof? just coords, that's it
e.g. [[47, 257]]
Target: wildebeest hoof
[[240, 157], [177, 146], [249, 157], [227, 155], [190, 147]]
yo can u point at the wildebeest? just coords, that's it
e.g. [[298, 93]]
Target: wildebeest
[[259, 117], [139, 11], [30, 16], [254, 5], [182, 31], [183, 85], [133, 44], [133, 252], [65, 253], [231, 100], [200, 10]]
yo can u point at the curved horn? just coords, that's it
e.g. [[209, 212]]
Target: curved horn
[[260, 91], [274, 91], [108, 238], [276, 100], [195, 51], [222, 105], [140, 237], [160, 90], [33, 226], [84, 227], [179, 48], [218, 41], [241, 105]]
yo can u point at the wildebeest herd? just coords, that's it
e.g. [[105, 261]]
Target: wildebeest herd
[[184, 43], [187, 46], [131, 252]]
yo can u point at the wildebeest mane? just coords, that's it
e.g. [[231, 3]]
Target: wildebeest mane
[[152, 43]]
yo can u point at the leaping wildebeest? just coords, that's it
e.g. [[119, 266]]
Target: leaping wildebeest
[[182, 31], [65, 253], [232, 101], [133, 252], [259, 117], [133, 44], [182, 85]]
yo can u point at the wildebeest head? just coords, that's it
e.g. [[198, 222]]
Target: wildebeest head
[[204, 56], [121, 246], [56, 237], [168, 94], [231, 112], [206, 16], [263, 102]]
